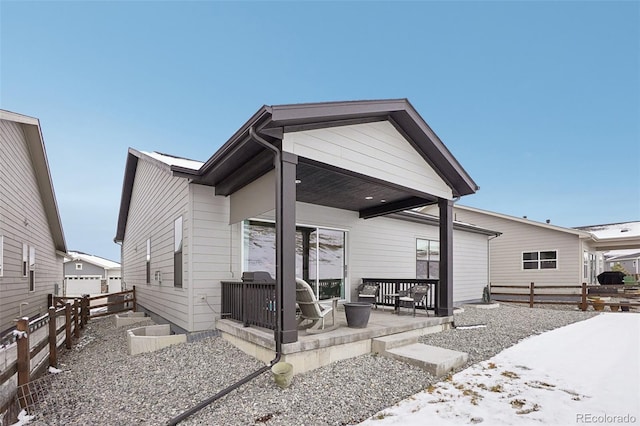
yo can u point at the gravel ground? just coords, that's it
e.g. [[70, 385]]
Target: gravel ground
[[100, 384]]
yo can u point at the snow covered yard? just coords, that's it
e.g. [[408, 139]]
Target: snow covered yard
[[586, 372], [101, 384]]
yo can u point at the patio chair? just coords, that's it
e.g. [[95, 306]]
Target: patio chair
[[413, 297], [313, 310], [368, 293]]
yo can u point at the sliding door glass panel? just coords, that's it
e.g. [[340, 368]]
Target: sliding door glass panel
[[260, 247], [331, 263], [320, 256]]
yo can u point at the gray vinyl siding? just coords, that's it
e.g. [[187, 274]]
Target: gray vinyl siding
[[216, 253], [372, 149], [517, 237], [470, 266], [87, 269], [22, 203], [157, 200]]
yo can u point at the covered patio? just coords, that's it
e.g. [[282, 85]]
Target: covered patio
[[312, 351], [374, 158]]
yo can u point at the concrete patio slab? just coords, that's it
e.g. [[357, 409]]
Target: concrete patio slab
[[312, 351]]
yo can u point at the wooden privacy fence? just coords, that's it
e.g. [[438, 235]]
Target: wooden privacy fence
[[63, 322], [582, 295]]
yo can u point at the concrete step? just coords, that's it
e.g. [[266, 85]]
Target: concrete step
[[384, 343], [435, 360]]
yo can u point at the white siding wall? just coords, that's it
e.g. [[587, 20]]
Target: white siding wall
[[216, 253], [506, 251], [21, 201], [157, 200], [386, 248], [372, 149]]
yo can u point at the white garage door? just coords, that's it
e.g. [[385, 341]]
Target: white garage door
[[85, 284]]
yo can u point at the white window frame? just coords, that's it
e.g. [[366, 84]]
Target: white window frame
[[539, 261], [78, 266]]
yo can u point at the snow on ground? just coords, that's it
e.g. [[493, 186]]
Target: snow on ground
[[587, 372], [23, 418]]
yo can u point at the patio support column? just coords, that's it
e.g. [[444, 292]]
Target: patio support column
[[444, 304], [286, 249]]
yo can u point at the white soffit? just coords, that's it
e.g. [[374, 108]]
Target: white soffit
[[254, 199], [374, 149]]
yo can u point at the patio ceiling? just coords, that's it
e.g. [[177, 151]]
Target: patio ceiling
[[241, 161]]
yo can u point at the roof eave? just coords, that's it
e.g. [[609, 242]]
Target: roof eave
[[127, 189], [38, 153], [432, 220]]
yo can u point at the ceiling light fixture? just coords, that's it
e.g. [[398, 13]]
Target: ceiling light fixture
[[368, 198]]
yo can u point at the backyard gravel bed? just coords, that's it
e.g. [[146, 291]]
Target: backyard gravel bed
[[482, 333], [100, 384]]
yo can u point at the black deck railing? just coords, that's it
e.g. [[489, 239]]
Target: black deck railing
[[388, 287], [250, 303], [254, 303]]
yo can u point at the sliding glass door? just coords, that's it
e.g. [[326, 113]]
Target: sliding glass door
[[320, 255]]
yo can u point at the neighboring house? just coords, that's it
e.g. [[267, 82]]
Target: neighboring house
[[621, 242], [32, 244], [545, 254], [349, 173], [629, 261], [530, 251], [89, 274]]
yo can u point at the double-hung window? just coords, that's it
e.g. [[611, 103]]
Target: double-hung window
[[547, 259]]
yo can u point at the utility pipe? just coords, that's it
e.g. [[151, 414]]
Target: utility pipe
[[278, 335]]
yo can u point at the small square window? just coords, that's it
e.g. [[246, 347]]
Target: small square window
[[78, 266]]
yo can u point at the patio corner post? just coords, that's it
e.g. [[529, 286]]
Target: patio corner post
[[286, 249], [444, 304]]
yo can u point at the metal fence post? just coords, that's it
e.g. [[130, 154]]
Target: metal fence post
[[583, 298]]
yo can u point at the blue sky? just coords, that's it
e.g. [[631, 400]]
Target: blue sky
[[539, 101]]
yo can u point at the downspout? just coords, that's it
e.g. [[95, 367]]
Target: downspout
[[489, 263], [277, 156], [278, 335]]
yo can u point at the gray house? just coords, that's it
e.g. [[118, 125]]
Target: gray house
[[32, 244], [89, 274], [345, 174]]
